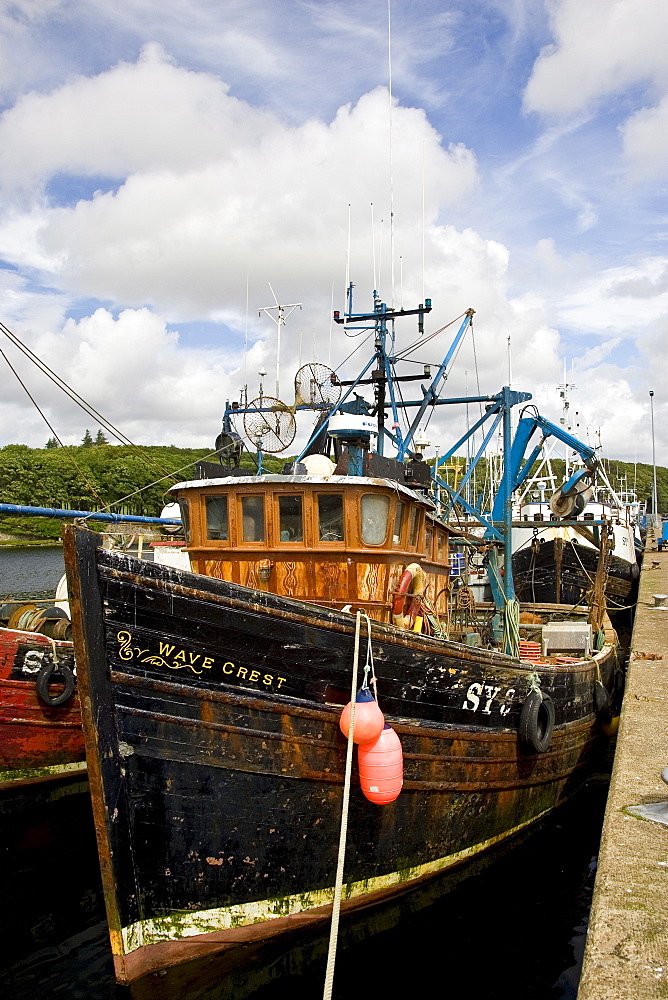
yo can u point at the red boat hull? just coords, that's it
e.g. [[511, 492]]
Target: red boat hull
[[37, 741]]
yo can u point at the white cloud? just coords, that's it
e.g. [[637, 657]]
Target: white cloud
[[215, 191], [645, 137], [627, 298], [131, 369], [135, 117], [601, 47]]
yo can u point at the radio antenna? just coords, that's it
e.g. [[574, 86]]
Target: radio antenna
[[279, 319]]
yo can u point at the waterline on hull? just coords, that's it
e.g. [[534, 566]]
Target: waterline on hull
[[186, 923]]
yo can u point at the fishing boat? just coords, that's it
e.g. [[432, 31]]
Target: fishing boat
[[41, 738], [213, 697], [556, 560], [565, 534]]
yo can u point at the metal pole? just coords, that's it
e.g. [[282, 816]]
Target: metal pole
[[655, 512], [508, 587]]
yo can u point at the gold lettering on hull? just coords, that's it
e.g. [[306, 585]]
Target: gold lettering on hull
[[173, 658]]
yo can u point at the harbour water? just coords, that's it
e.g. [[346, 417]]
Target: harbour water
[[30, 570], [513, 922]]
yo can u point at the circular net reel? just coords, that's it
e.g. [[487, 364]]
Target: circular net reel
[[272, 430], [316, 386]]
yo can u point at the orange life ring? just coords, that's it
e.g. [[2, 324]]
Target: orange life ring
[[411, 584]]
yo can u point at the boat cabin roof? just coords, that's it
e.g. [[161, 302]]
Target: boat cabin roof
[[327, 481]]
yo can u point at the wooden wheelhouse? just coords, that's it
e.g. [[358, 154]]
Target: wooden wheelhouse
[[334, 541]]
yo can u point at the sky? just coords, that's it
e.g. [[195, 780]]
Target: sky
[[170, 169]]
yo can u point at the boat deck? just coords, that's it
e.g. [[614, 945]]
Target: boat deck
[[626, 954]]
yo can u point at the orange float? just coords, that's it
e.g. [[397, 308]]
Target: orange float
[[381, 767], [369, 720]]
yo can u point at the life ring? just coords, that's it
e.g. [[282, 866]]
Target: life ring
[[44, 679], [537, 721], [411, 584]]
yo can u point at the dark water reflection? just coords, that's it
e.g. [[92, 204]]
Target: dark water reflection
[[514, 924]]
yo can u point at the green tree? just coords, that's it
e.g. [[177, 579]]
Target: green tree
[[51, 443], [87, 440], [100, 438]]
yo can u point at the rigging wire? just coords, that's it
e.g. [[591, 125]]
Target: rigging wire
[[67, 453], [79, 400], [414, 345], [361, 344]]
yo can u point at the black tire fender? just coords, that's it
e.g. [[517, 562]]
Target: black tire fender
[[44, 680], [602, 702], [537, 721]]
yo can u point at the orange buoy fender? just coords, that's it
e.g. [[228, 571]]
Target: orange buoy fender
[[369, 720], [381, 767], [412, 584]]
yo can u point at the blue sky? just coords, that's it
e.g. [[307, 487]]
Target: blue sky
[[161, 164]]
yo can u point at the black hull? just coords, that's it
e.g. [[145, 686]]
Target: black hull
[[537, 579], [217, 763]]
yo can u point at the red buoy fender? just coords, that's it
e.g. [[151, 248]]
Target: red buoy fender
[[369, 720], [411, 584], [381, 767]]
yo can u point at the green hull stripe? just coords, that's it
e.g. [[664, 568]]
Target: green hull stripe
[[23, 773], [187, 923]]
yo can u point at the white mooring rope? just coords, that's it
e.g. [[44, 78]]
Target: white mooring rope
[[338, 885]]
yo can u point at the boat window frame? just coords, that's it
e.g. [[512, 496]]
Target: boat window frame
[[186, 519], [325, 542], [276, 513], [205, 518], [375, 496], [398, 537], [442, 552], [240, 540], [429, 536], [414, 525]]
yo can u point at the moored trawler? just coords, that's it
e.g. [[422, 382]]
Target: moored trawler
[[212, 698]]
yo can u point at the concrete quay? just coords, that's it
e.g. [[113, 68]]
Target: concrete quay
[[626, 953]]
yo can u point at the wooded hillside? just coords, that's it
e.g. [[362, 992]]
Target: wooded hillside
[[95, 475]]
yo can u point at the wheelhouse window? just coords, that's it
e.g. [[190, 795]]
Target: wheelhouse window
[[185, 518], [252, 514], [414, 527], [441, 546], [290, 519], [375, 515], [330, 517], [429, 539], [216, 518], [398, 523]]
